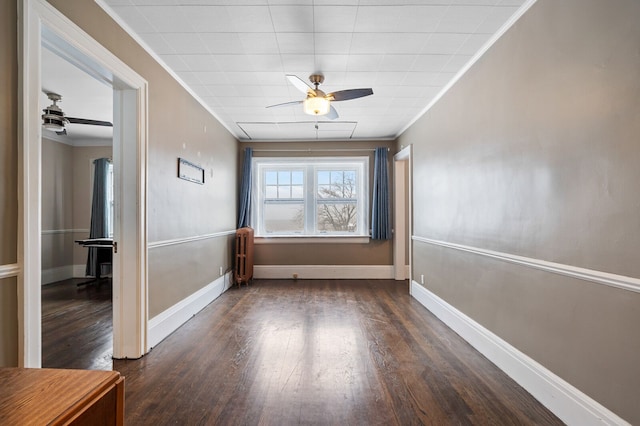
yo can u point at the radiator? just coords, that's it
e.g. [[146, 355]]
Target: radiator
[[243, 271]]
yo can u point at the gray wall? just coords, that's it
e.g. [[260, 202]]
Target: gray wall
[[305, 253], [536, 152], [66, 206]]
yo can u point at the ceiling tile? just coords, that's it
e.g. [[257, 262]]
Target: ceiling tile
[[261, 43], [330, 19], [185, 43], [166, 19], [334, 43], [296, 19], [295, 42], [201, 62], [208, 19], [447, 43], [377, 19], [250, 19], [430, 62], [221, 43], [463, 19]]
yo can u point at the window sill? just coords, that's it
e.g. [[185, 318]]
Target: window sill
[[303, 239]]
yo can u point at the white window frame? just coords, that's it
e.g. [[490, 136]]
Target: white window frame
[[310, 165]]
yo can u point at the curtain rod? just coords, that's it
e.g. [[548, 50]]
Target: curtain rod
[[317, 150]]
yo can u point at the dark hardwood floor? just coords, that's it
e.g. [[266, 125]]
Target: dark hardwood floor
[[325, 352], [77, 325]]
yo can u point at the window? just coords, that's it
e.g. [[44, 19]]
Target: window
[[310, 196]]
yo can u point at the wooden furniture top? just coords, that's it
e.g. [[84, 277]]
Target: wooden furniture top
[[49, 396]]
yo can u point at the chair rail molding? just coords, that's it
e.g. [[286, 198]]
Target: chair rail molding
[[164, 243], [598, 277], [9, 270]]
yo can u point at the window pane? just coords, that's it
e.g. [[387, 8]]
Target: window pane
[[337, 217], [284, 218], [284, 177], [297, 191], [324, 177], [297, 177], [324, 191], [284, 191], [350, 176], [271, 178], [271, 191]]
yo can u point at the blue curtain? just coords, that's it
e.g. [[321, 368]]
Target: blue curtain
[[381, 207], [99, 227], [244, 211]]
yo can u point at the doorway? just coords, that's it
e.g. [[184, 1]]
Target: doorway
[[402, 214], [41, 23], [77, 320]]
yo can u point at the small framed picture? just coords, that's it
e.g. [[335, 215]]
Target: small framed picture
[[189, 171]]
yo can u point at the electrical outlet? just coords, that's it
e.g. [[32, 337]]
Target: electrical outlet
[[221, 272], [422, 279]]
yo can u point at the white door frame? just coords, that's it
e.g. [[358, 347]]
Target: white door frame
[[402, 200], [39, 21]]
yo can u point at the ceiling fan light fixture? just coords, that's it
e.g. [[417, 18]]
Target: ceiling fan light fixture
[[316, 106], [53, 122], [53, 118]]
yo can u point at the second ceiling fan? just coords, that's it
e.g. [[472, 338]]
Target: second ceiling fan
[[55, 120], [317, 102]]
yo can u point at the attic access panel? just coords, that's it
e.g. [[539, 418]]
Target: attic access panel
[[298, 130]]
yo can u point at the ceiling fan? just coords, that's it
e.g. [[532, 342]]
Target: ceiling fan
[[54, 119], [317, 102]]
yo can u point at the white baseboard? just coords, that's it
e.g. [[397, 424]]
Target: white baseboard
[[324, 271], [165, 323], [567, 402], [60, 273], [79, 271]]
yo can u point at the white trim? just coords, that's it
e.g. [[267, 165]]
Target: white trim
[[175, 241], [566, 401], [346, 272], [309, 239], [79, 271], [495, 37], [59, 273], [598, 277], [64, 231], [10, 270], [165, 323], [159, 60]]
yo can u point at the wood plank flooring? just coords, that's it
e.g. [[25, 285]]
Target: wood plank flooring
[[321, 352], [282, 352], [77, 325]]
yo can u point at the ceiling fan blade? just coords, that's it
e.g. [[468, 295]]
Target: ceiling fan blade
[[75, 120], [345, 95], [332, 114], [299, 84], [285, 104]]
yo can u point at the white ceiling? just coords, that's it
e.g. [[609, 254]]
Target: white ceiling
[[234, 55]]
